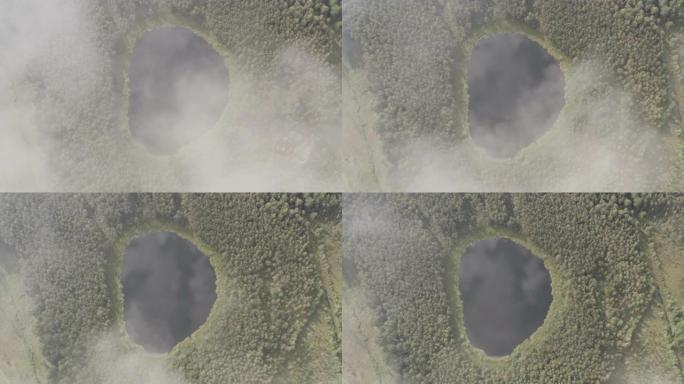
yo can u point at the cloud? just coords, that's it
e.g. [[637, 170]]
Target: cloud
[[63, 123], [280, 136], [112, 363], [516, 93], [31, 33], [178, 88], [20, 359], [599, 143]]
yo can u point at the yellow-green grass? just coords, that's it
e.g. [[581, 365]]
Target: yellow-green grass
[[363, 358], [317, 357], [650, 359], [666, 254], [21, 361]]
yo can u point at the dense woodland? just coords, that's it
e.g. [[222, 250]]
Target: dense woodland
[[402, 248], [414, 55], [266, 251], [630, 35]]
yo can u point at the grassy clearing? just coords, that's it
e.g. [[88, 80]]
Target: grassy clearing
[[314, 359], [667, 259], [317, 357], [650, 359], [363, 358], [364, 164], [675, 60], [21, 361]]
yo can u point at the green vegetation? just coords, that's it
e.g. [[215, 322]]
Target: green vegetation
[[666, 235], [321, 341], [277, 311], [607, 319], [619, 57], [650, 359], [363, 357]]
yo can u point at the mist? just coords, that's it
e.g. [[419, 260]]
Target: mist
[[30, 34], [64, 98], [383, 249], [8, 258], [112, 363], [516, 91], [603, 147], [109, 362], [598, 141], [174, 75], [267, 147], [109, 355]]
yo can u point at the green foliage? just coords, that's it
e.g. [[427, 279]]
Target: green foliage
[[408, 248], [416, 55], [677, 328], [264, 249], [408, 50], [629, 35]]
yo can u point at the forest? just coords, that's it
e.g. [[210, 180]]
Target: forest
[[276, 317], [615, 263], [408, 60]]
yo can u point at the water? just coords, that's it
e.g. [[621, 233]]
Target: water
[[169, 287], [506, 294], [516, 91], [178, 88]]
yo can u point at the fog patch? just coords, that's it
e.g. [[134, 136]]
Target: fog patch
[[110, 362], [506, 293], [32, 36], [64, 123], [600, 144], [169, 287], [9, 261], [178, 88], [352, 50], [516, 91], [283, 133]]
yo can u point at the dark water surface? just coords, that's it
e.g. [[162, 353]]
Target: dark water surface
[[169, 287], [179, 88], [506, 293], [516, 91]]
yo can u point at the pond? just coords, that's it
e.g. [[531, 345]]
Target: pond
[[516, 92], [178, 88], [506, 294], [169, 288]]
